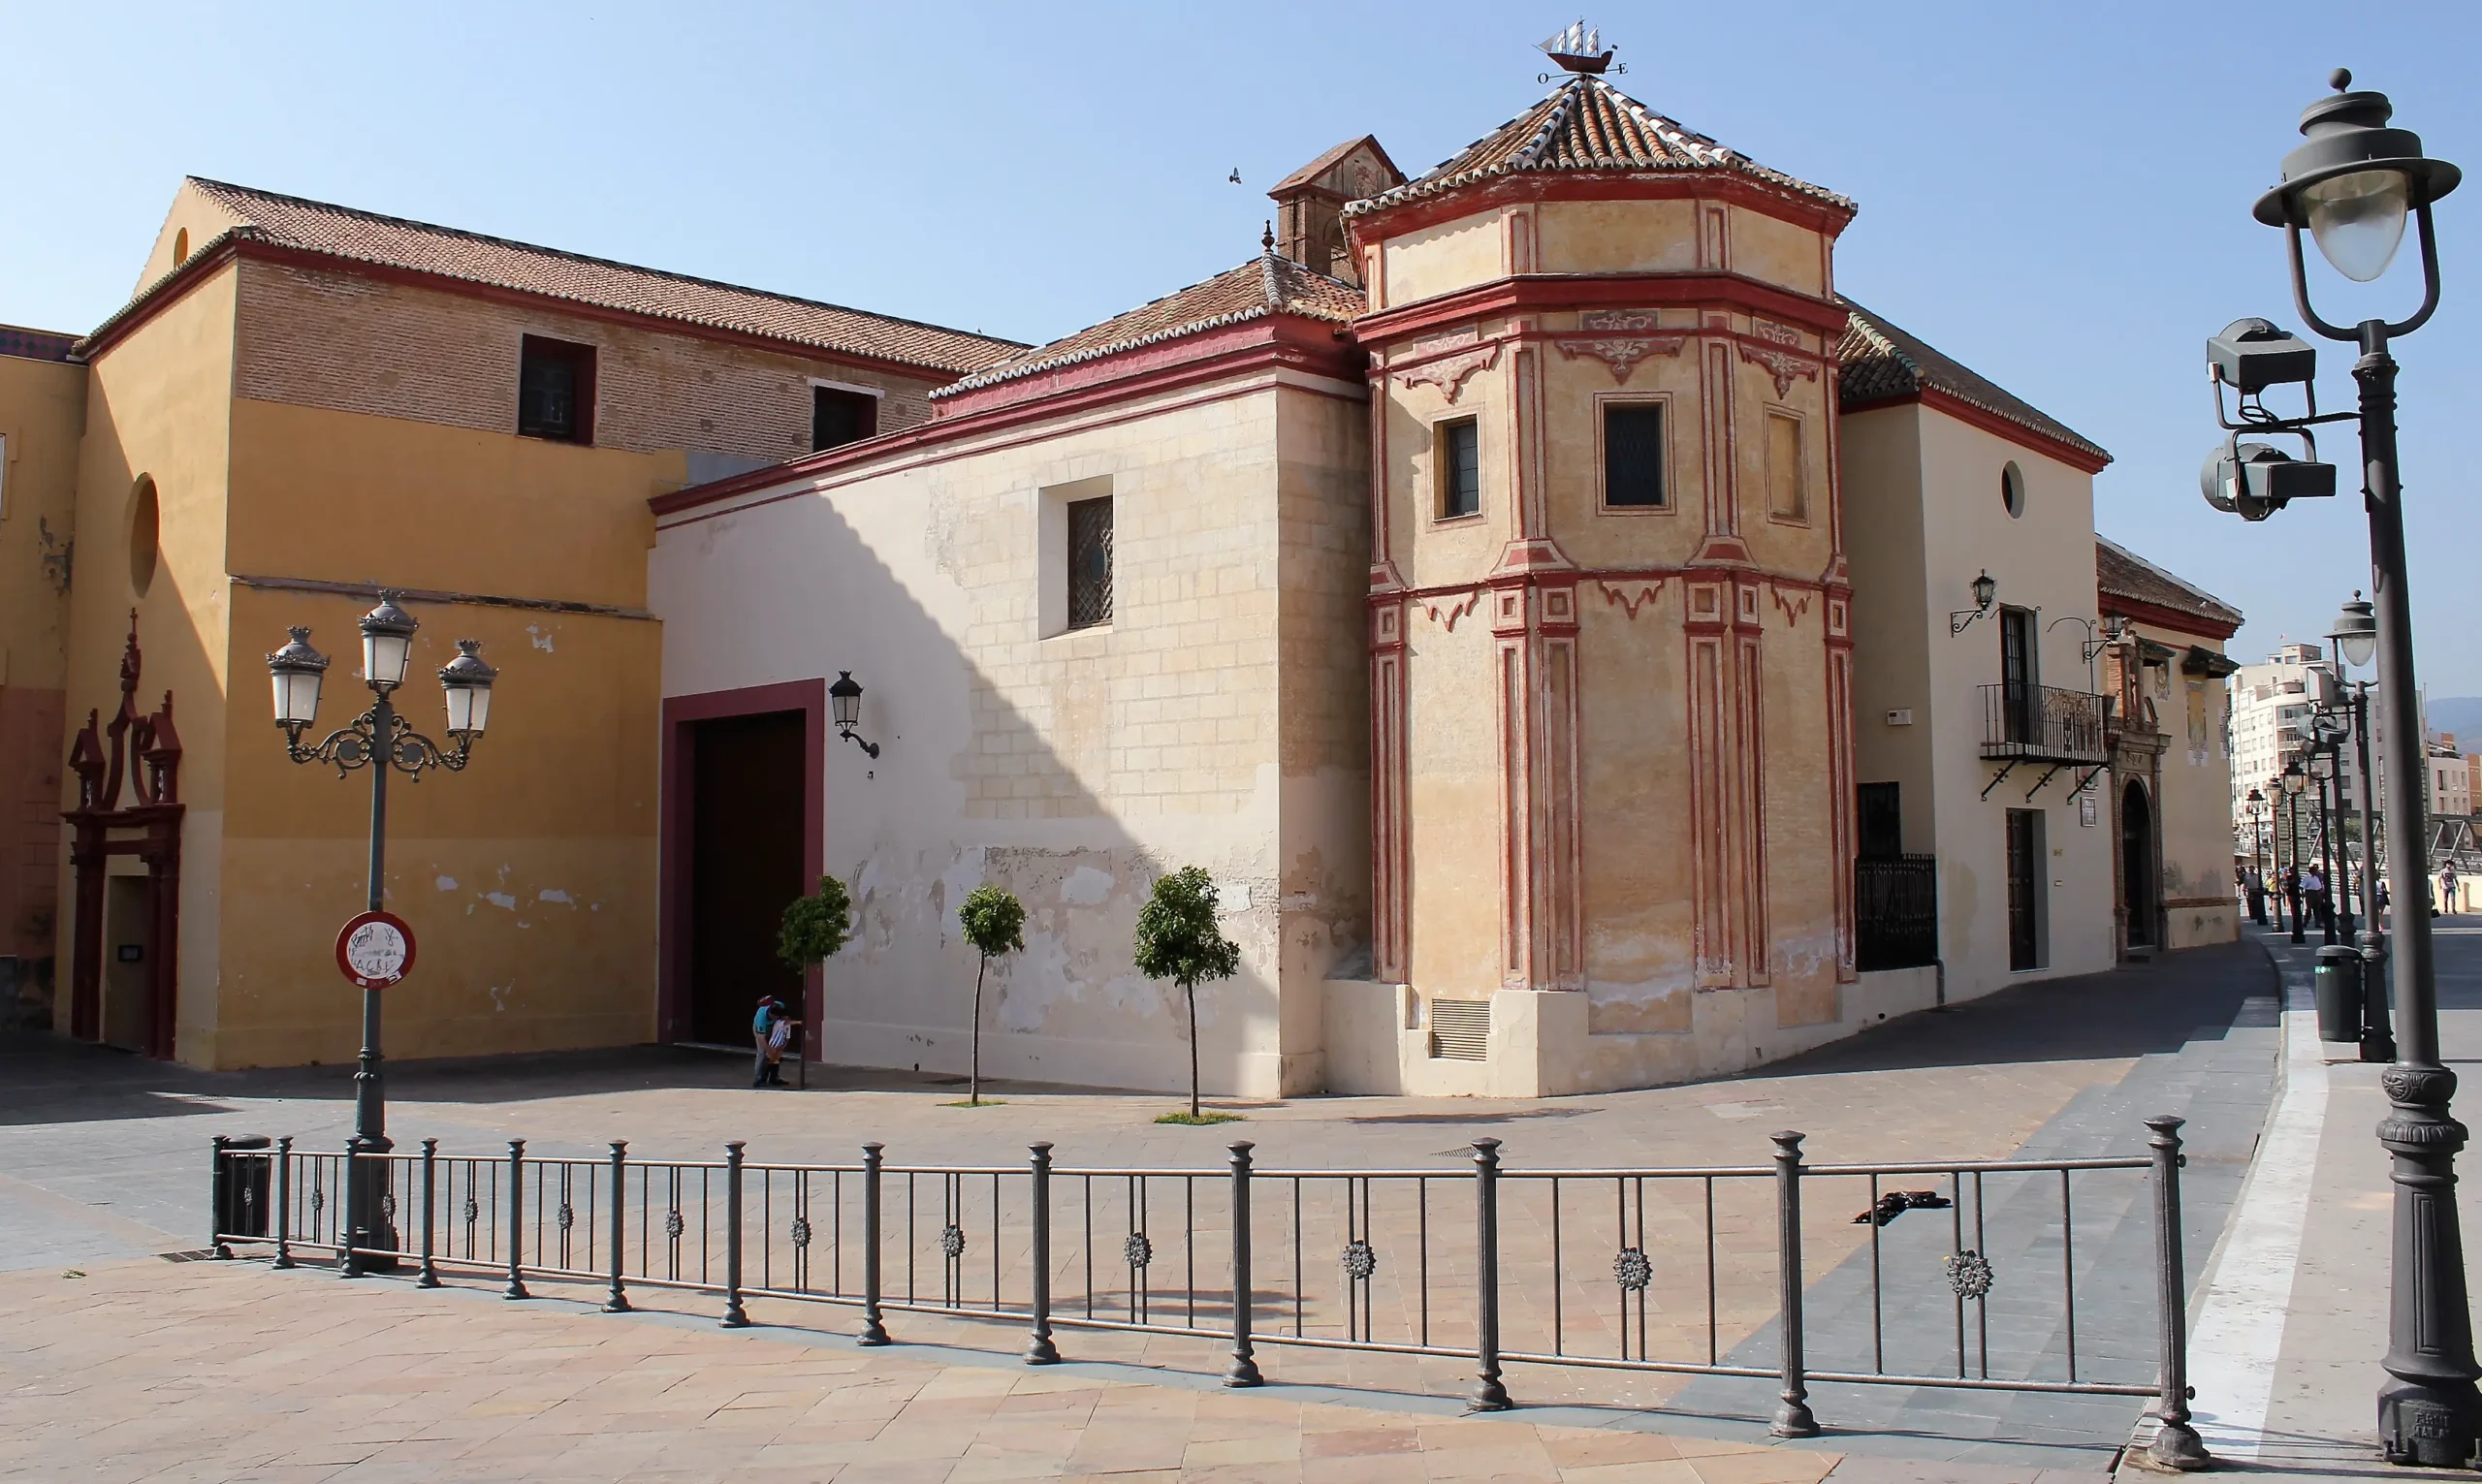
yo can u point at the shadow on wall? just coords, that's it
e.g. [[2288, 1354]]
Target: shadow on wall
[[972, 788]]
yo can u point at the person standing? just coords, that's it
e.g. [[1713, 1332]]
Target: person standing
[[2292, 893], [769, 1029], [2313, 893], [2255, 887]]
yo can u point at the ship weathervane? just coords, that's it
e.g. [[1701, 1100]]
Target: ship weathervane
[[1578, 48]]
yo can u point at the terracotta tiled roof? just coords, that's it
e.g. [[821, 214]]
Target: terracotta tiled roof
[[389, 241], [1264, 285], [2120, 573], [1882, 362], [1587, 124], [35, 344]]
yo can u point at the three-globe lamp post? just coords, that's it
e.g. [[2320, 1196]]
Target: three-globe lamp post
[[382, 741]]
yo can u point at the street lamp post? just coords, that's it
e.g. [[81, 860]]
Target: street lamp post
[[2355, 640], [2257, 806], [382, 741], [2322, 775], [2352, 185], [2294, 779]]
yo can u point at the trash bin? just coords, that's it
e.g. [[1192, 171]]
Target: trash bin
[[2339, 983], [244, 1170]]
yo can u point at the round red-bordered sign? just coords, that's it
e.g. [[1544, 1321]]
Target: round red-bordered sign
[[376, 950]]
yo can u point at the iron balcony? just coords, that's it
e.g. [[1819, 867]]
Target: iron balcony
[[2041, 724]]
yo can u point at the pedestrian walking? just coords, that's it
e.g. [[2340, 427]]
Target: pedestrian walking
[[770, 1030], [2255, 885], [2313, 892], [2292, 893], [2447, 891]]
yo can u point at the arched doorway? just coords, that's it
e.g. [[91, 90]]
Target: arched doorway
[[2137, 866]]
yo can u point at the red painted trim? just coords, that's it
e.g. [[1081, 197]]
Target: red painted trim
[[680, 714], [1539, 293], [1599, 185], [196, 271], [863, 458], [1991, 423], [2163, 618]]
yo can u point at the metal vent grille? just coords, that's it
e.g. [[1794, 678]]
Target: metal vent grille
[[1090, 562], [1461, 1030]]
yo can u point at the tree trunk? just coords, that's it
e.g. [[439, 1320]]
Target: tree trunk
[[973, 1071], [1194, 1050]]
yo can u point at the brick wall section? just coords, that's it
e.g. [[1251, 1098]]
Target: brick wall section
[[323, 338]]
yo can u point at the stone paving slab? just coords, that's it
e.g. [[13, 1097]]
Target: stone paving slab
[[219, 1372]]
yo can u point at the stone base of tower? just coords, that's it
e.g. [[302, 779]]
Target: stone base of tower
[[1391, 1039]]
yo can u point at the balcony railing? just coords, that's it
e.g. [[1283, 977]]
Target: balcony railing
[[2041, 724]]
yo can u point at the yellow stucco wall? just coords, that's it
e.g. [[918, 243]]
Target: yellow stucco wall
[[2193, 800], [42, 409], [158, 406]]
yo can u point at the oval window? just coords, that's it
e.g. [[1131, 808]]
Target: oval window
[[144, 523], [181, 248], [2011, 491]]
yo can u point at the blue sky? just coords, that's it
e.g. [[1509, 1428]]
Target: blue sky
[[2057, 194]]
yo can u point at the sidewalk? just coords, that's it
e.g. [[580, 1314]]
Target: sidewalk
[[2287, 1335]]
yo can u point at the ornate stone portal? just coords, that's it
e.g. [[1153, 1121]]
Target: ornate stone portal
[[148, 826]]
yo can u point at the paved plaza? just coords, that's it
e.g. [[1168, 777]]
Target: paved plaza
[[233, 1372]]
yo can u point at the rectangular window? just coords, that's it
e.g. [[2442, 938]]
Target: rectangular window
[[1459, 448], [2018, 696], [1090, 563], [838, 416], [1633, 455], [1881, 812], [556, 390], [1788, 485]]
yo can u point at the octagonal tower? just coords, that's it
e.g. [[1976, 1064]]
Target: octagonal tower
[[1611, 652]]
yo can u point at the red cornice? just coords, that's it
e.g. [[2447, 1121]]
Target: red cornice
[[1253, 346], [2163, 618], [190, 274], [1526, 186], [1534, 292], [2082, 460], [1314, 339]]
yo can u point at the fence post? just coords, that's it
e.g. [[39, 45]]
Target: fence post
[[734, 1316], [515, 1220], [216, 1204], [430, 1277], [284, 1202], [1793, 1419], [1244, 1369], [356, 1201], [618, 1303], [1489, 1394], [2176, 1444], [874, 1332], [1039, 1349]]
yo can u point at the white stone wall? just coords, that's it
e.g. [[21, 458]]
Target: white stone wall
[[1072, 768]]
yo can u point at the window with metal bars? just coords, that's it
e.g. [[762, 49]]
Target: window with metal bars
[[556, 390], [1633, 455], [1460, 468], [1090, 562]]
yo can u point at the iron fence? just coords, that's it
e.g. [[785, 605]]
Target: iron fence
[[1895, 912], [1689, 1271]]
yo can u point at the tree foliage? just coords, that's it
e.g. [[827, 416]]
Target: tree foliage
[[994, 921], [815, 926], [1178, 938]]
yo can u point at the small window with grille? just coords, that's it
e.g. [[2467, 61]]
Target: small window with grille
[[556, 390], [1459, 448], [1090, 562]]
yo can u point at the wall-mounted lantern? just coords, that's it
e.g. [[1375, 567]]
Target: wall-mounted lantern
[[1985, 591], [845, 698]]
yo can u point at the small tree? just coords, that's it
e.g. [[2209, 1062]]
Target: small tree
[[1178, 939], [815, 926], [994, 922]]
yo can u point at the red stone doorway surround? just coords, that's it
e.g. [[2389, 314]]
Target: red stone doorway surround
[[681, 717]]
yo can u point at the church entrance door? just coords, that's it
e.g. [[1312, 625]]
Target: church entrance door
[[2137, 866], [745, 865]]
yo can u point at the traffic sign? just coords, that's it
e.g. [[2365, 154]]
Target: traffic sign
[[376, 950]]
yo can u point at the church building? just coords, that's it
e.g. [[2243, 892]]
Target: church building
[[1588, 649]]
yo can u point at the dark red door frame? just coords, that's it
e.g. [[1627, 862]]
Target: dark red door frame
[[106, 776], [680, 717]]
